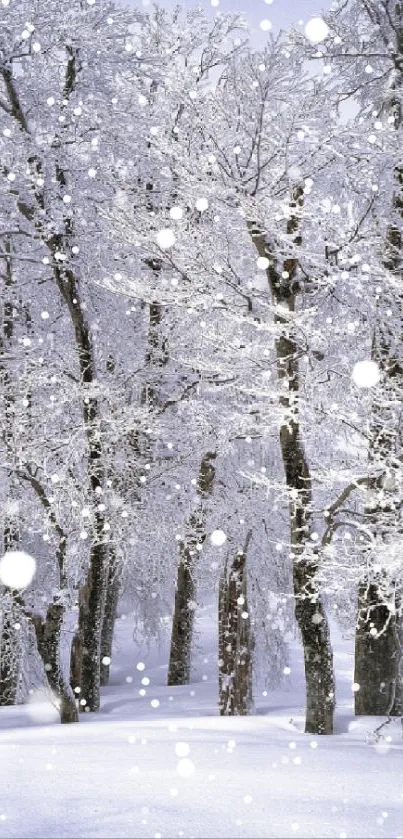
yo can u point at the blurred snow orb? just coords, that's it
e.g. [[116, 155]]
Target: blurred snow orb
[[201, 205], [165, 238], [43, 707], [366, 374], [316, 30], [185, 768], [176, 213], [265, 25], [17, 569], [182, 749], [218, 538], [262, 263]]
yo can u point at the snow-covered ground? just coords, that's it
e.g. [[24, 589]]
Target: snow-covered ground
[[163, 764]]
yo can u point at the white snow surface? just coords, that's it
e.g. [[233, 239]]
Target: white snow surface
[[179, 770]]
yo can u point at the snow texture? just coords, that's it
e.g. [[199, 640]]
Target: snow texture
[[179, 770]]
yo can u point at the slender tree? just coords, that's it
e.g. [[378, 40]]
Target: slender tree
[[235, 644]]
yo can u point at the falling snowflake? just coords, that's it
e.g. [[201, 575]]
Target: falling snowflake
[[366, 374], [218, 538], [17, 569], [176, 213], [316, 30], [201, 205], [165, 238]]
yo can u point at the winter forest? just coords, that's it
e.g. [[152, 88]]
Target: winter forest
[[201, 427]]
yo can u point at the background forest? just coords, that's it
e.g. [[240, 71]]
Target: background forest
[[201, 357]]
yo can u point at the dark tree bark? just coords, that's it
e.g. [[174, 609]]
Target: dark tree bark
[[183, 622], [309, 610], [111, 605], [235, 644], [91, 606], [379, 629], [10, 651], [10, 643], [378, 647], [48, 630], [76, 660], [378, 641], [157, 356], [86, 650], [48, 638], [185, 593], [378, 656]]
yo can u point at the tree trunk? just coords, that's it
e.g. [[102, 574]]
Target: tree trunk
[[235, 639], [10, 644], [111, 605], [87, 650], [157, 349], [379, 630], [185, 593], [10, 651], [378, 652], [92, 601], [10, 638], [183, 622], [76, 660], [48, 637], [378, 646], [309, 611]]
